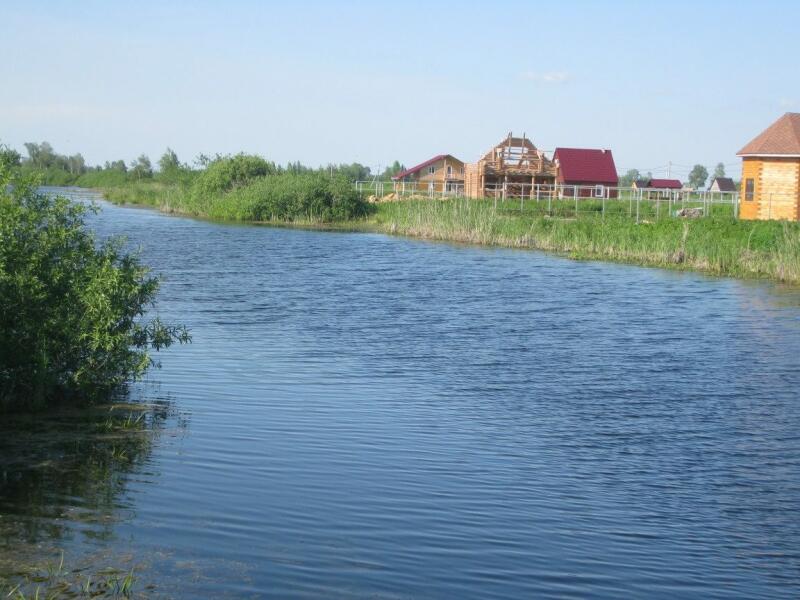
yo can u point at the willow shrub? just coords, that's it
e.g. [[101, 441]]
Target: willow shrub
[[72, 310], [288, 197]]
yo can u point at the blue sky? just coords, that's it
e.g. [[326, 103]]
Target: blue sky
[[687, 82]]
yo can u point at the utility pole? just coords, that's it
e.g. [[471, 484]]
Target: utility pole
[[669, 169]]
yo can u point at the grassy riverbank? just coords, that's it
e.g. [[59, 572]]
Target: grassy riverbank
[[718, 244]]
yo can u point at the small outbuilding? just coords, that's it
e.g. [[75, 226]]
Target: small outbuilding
[[590, 171], [665, 185], [442, 173], [722, 184], [771, 172]]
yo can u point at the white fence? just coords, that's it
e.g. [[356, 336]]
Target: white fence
[[574, 199]]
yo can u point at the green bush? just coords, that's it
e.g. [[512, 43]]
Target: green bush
[[311, 197], [224, 174], [102, 178], [72, 310]]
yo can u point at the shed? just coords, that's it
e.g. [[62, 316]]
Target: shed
[[592, 169], [722, 184], [771, 172], [665, 184]]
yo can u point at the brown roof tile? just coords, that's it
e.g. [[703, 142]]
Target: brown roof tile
[[782, 137]]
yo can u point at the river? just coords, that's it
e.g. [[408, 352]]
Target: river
[[364, 416]]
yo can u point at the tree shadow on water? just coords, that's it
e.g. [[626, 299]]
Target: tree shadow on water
[[64, 477]]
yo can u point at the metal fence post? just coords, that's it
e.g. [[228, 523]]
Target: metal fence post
[[638, 202], [575, 194], [604, 202]]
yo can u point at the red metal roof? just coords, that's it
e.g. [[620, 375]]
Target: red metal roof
[[584, 165], [420, 166], [666, 184]]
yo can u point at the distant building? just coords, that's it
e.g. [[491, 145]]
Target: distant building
[[665, 184], [722, 184], [442, 173], [658, 187], [593, 170], [771, 172]]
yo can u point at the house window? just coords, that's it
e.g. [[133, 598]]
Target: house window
[[449, 170], [749, 189], [431, 170], [462, 170], [599, 190]]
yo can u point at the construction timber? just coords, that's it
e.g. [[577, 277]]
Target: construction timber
[[505, 169]]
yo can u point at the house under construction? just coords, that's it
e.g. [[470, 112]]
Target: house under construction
[[510, 169]]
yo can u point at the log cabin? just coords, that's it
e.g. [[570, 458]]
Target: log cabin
[[771, 172], [442, 173]]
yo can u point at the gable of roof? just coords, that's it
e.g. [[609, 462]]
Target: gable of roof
[[422, 165], [665, 184], [641, 183], [782, 138], [725, 184], [585, 165]]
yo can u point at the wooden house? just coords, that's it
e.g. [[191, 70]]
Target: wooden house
[[442, 173], [586, 172], [771, 172], [511, 168], [722, 184]]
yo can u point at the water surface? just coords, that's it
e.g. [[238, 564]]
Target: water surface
[[362, 416]]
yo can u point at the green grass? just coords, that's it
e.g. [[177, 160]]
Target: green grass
[[717, 244]]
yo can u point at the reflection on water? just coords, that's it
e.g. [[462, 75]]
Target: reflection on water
[[63, 476]]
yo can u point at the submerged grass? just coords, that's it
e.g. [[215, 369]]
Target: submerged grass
[[52, 580], [717, 244]]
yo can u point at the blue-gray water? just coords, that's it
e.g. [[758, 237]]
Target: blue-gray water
[[362, 416]]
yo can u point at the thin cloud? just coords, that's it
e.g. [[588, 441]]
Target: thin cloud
[[555, 77]]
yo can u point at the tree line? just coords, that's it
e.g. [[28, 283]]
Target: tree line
[[64, 169]]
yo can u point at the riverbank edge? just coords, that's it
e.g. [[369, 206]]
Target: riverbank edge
[[671, 260]]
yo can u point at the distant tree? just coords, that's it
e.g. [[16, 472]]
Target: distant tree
[[698, 176], [392, 170], [9, 157], [169, 161], [719, 170], [41, 155], [76, 164], [630, 176], [141, 167], [202, 160], [353, 171], [117, 165]]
